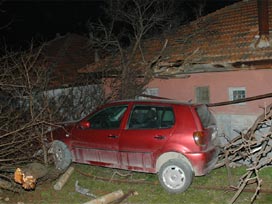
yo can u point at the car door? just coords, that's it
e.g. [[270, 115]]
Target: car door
[[147, 131], [98, 144]]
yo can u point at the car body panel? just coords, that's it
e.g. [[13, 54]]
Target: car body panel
[[95, 146], [139, 148]]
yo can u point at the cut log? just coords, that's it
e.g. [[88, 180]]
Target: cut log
[[107, 198], [28, 175], [64, 178], [125, 196]]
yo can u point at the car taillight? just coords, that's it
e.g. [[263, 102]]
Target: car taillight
[[199, 137]]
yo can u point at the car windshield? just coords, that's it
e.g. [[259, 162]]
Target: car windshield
[[205, 116]]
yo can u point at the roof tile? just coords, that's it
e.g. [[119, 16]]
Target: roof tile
[[65, 55]]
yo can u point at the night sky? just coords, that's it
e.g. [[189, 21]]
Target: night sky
[[21, 21], [42, 20]]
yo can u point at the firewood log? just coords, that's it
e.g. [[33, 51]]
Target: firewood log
[[28, 175], [107, 198], [64, 178]]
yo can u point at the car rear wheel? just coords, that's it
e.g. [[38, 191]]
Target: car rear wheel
[[175, 176], [61, 155]]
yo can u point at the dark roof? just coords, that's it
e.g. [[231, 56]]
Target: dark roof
[[223, 40], [65, 55]]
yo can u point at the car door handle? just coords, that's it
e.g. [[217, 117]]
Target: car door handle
[[112, 136], [159, 137]]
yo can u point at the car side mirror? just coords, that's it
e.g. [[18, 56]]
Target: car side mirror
[[84, 124]]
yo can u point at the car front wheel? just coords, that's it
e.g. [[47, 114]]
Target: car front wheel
[[175, 176], [61, 155]]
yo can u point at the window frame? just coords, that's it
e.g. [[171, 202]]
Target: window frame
[[149, 91], [197, 97], [231, 94]]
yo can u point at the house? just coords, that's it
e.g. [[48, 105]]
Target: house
[[224, 56], [64, 55]]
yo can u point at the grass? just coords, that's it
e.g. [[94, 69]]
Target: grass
[[149, 191]]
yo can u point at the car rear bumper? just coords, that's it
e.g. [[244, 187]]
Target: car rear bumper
[[203, 162]]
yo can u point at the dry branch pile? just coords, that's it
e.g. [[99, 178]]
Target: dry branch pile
[[22, 122], [251, 148], [29, 109]]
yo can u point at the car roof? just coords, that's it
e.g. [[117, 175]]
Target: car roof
[[161, 101]]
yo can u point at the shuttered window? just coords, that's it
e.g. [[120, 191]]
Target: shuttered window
[[202, 94]]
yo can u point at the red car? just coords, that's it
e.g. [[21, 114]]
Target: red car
[[173, 139]]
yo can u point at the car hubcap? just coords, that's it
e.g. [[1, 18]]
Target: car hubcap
[[58, 154], [173, 177]]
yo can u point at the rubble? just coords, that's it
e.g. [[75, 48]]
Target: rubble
[[83, 191]]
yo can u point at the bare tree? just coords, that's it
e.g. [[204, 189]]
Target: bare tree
[[3, 12], [18, 80], [197, 7], [122, 34]]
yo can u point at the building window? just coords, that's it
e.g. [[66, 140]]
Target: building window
[[236, 93], [152, 91], [149, 91], [202, 94]]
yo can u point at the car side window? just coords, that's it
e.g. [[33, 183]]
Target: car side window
[[108, 118], [150, 117], [167, 118]]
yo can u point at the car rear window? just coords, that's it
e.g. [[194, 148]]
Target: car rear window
[[205, 115]]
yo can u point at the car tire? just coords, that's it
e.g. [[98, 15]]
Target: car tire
[[175, 176], [61, 155]]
